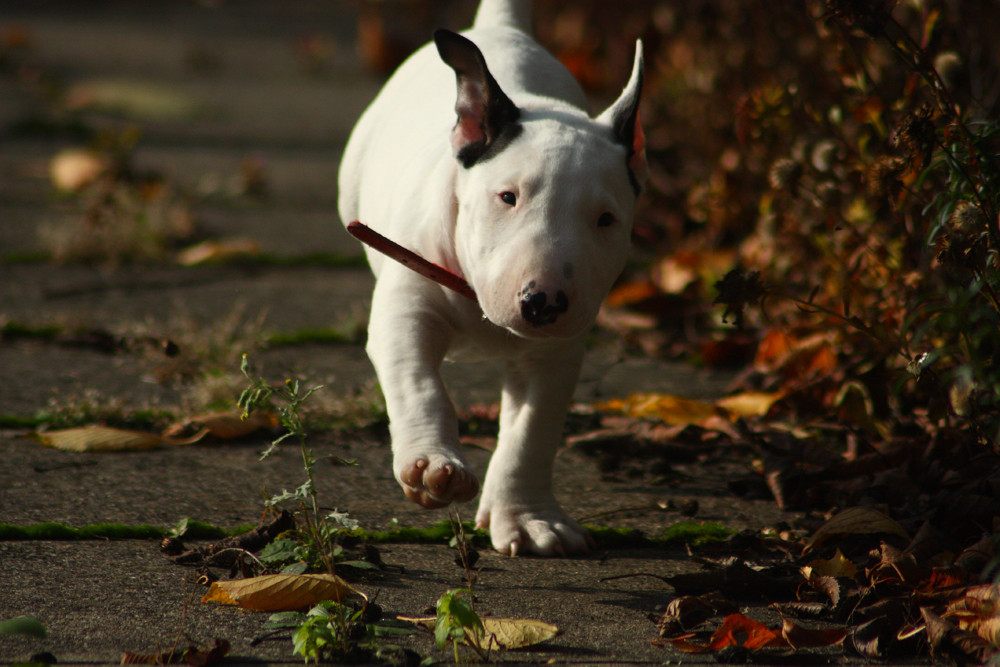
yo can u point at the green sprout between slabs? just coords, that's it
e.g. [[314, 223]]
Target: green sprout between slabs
[[320, 530]]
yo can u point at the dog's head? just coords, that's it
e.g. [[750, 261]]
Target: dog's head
[[545, 198]]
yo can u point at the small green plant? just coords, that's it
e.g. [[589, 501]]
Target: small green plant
[[318, 537], [333, 631], [457, 622]]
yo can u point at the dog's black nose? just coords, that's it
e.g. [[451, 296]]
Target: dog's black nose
[[537, 310]]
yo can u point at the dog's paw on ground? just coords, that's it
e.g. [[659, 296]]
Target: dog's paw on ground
[[437, 481], [544, 531]]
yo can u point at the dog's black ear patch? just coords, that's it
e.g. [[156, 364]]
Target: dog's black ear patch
[[487, 118]]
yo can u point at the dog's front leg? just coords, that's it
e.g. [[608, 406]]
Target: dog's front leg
[[517, 503], [407, 342]]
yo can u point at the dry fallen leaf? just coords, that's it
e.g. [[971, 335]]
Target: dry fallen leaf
[[736, 630], [837, 565], [676, 410], [218, 251], [75, 168], [797, 636], [500, 633], [222, 425], [133, 99], [855, 521], [688, 611], [748, 404], [99, 439], [280, 592], [671, 409], [978, 611], [192, 655]]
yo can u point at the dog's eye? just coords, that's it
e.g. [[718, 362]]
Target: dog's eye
[[508, 198], [606, 220]]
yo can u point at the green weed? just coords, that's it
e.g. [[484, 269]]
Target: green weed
[[458, 623], [337, 632]]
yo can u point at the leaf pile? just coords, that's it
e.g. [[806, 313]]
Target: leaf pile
[[860, 582]]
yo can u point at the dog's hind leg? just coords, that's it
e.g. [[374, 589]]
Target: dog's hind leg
[[517, 503]]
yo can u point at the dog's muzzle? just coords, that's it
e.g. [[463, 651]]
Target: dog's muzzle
[[538, 310]]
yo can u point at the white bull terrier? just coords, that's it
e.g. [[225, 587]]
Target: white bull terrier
[[530, 200]]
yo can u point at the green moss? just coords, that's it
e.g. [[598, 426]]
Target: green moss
[[16, 422], [695, 533], [16, 331], [436, 534]]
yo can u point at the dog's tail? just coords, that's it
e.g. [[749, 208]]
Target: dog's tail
[[514, 13]]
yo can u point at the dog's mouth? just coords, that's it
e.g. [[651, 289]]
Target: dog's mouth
[[554, 328]]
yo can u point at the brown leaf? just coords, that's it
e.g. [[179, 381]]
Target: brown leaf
[[797, 636], [222, 250], [975, 558], [500, 633], [978, 611], [192, 655], [688, 611], [280, 592], [897, 564], [926, 544], [854, 521], [962, 645], [870, 639], [222, 425]]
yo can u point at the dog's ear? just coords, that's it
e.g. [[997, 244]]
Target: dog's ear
[[484, 111], [623, 117]]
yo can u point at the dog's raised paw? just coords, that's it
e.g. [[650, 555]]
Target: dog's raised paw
[[434, 482], [544, 532]]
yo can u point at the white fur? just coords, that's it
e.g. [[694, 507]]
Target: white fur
[[399, 175]]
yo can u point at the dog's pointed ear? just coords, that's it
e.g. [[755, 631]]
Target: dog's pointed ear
[[484, 110], [623, 117]]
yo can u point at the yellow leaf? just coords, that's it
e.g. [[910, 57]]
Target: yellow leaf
[[98, 439], [680, 411], [500, 633], [280, 592], [671, 409], [855, 521], [513, 633], [749, 404], [838, 565]]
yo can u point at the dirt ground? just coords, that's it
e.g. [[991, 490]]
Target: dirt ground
[[290, 107]]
